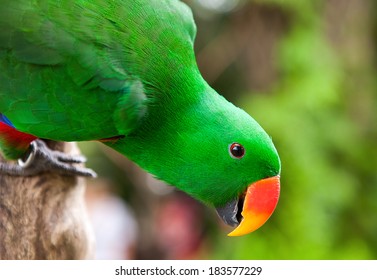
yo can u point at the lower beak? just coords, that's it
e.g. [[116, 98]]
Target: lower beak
[[260, 202]]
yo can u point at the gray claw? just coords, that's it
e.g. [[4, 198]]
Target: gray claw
[[41, 158]]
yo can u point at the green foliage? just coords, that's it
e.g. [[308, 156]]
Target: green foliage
[[326, 136]]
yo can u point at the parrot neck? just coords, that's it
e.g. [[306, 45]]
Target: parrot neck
[[168, 142]]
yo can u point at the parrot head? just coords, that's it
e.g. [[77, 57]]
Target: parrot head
[[215, 152]]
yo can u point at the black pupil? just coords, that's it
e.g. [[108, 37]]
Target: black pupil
[[237, 150]]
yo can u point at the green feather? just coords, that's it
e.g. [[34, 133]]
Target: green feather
[[80, 70]]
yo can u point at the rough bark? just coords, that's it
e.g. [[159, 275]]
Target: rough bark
[[44, 217]]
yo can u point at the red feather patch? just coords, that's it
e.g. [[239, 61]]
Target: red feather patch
[[14, 138]]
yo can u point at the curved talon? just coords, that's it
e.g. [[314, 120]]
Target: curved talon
[[30, 158], [41, 159]]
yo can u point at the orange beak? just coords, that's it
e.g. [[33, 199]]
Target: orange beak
[[260, 202]]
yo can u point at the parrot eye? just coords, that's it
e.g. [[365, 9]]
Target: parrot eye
[[236, 150]]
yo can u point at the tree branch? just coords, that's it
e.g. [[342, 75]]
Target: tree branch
[[44, 217]]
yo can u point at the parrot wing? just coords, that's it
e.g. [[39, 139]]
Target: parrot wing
[[63, 73]]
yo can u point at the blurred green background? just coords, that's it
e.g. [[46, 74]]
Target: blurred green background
[[306, 71]]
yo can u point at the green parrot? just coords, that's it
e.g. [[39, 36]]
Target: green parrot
[[123, 72]]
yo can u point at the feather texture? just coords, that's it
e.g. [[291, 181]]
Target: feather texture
[[124, 71], [74, 61]]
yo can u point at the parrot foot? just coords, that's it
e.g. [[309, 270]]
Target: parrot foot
[[42, 159]]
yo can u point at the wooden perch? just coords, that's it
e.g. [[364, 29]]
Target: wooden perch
[[44, 217]]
